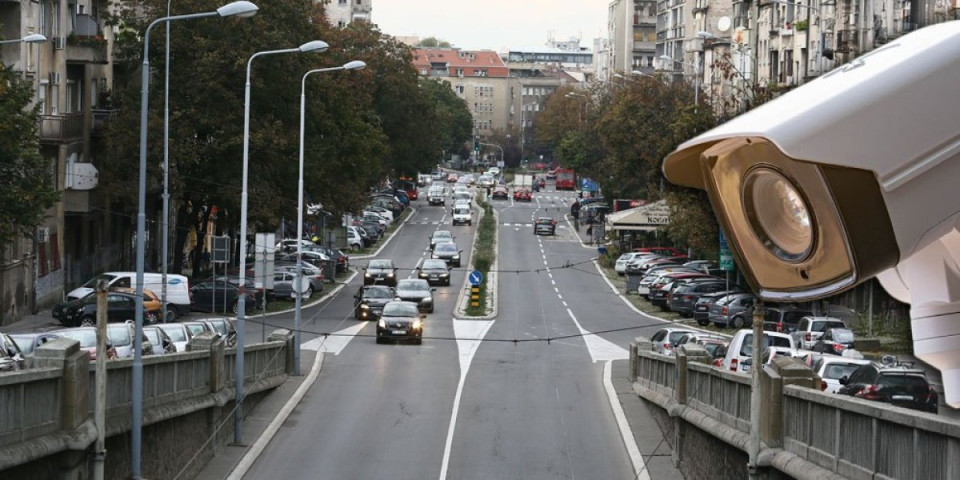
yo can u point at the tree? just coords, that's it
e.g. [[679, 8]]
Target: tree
[[453, 122], [26, 186], [433, 42]]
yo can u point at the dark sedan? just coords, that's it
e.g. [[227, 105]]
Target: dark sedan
[[380, 272], [448, 252], [369, 301], [83, 312], [219, 296], [401, 321], [435, 272]]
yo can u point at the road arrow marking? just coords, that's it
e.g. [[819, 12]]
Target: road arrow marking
[[601, 350], [334, 343]]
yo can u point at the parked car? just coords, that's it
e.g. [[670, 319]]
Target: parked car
[[434, 271], [685, 297], [178, 289], [160, 340], [545, 226], [220, 296], [447, 252], [179, 334], [665, 339], [418, 291], [701, 309], [11, 358], [440, 236], [783, 318], [286, 285], [369, 301], [741, 347], [310, 273], [664, 251], [621, 264], [734, 311], [121, 337], [289, 245], [893, 382], [400, 320], [28, 342], [809, 329], [831, 368], [355, 241], [710, 342], [87, 336], [120, 307], [197, 327], [664, 295], [226, 330], [666, 279], [834, 341], [380, 272]]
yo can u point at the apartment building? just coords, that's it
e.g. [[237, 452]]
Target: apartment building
[[633, 36], [341, 13], [71, 72]]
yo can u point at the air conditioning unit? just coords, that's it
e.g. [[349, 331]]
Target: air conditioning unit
[[43, 234], [59, 43], [54, 78]]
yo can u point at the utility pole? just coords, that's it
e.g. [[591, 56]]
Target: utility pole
[[756, 395], [100, 409]]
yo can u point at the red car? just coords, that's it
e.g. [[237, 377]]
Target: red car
[[522, 195], [452, 178], [499, 193]]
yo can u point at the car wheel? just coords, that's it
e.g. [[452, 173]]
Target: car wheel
[[379, 340], [88, 321], [703, 323], [418, 341], [737, 322], [309, 292], [172, 315]]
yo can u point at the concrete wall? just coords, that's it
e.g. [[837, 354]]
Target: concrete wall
[[47, 428]]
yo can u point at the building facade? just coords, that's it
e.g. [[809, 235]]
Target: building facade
[[632, 30], [341, 13], [71, 73]]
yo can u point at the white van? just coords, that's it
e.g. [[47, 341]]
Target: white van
[[462, 215], [741, 347], [178, 289]]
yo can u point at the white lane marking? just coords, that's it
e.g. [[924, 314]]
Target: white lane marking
[[600, 349], [545, 261], [469, 334], [560, 296], [334, 343], [556, 290], [629, 441], [554, 282], [564, 302]]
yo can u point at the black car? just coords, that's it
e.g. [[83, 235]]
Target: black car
[[545, 226], [335, 254], [434, 271], [892, 382], [402, 321], [440, 236], [83, 312], [447, 252], [220, 296], [685, 297], [369, 301], [834, 341], [380, 272]]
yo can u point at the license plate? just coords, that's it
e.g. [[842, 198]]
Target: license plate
[[902, 398], [643, 290], [398, 332]]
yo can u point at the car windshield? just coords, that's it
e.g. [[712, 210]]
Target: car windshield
[[836, 371], [842, 335], [398, 309], [441, 234], [152, 335], [103, 276], [86, 337], [446, 248], [891, 379], [768, 341], [377, 292], [380, 264], [218, 326], [119, 335], [175, 332], [195, 328], [434, 265], [411, 284], [545, 221]]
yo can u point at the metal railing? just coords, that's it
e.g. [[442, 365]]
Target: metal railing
[[61, 128]]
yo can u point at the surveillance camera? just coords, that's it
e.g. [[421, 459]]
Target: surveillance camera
[[847, 177]]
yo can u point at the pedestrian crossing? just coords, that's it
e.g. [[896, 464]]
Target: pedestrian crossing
[[528, 225], [436, 222]]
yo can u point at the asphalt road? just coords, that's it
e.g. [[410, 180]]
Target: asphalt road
[[527, 402]]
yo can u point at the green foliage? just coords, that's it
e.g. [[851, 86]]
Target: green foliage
[[692, 222], [451, 118], [485, 253], [26, 186], [433, 42]]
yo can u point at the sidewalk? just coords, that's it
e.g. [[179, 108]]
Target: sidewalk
[[39, 322]]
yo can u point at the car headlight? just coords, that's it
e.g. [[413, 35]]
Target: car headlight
[[417, 324], [390, 275], [456, 257], [424, 274], [364, 306], [382, 323], [444, 275], [367, 275], [427, 300]]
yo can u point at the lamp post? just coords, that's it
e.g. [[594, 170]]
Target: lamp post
[[354, 65], [819, 27], [32, 38], [523, 127], [696, 78], [241, 9], [165, 220], [314, 46]]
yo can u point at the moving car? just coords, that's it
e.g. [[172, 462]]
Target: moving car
[[368, 302], [440, 236], [437, 195], [447, 252], [434, 271], [402, 321], [500, 193], [380, 272], [893, 382], [462, 215], [418, 291], [452, 178], [545, 226], [522, 195]]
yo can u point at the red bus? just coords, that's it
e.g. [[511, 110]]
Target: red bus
[[409, 186], [566, 179]]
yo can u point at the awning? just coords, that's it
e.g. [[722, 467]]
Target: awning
[[646, 218]]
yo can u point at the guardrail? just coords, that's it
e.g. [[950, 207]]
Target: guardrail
[[805, 433]]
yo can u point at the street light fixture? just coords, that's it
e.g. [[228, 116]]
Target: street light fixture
[[696, 78], [240, 9], [352, 65], [32, 38], [314, 46]]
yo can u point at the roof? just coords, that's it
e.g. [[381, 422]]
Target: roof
[[454, 58], [648, 217]]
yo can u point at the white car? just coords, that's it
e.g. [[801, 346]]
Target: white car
[[462, 215], [831, 368], [623, 260], [494, 171], [741, 347]]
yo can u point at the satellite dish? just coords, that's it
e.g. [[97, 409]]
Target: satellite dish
[[723, 24]]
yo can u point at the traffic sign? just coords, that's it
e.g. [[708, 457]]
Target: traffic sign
[[726, 257], [475, 278]]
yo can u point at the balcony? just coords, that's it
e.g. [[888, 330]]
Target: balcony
[[86, 49], [100, 119], [66, 128]]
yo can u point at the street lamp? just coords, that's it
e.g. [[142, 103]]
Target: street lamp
[[353, 65], [239, 9], [314, 46], [819, 27], [696, 78], [32, 38], [523, 127]]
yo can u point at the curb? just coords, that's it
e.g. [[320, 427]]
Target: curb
[[258, 447], [461, 313], [327, 294], [390, 239]]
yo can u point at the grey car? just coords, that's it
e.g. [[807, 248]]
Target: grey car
[[418, 291], [369, 301], [435, 272], [440, 236], [313, 274], [734, 310], [28, 342], [448, 252], [380, 272]]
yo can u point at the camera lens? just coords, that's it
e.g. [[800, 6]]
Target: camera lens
[[778, 214]]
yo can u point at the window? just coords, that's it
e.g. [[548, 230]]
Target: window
[[342, 2], [423, 70]]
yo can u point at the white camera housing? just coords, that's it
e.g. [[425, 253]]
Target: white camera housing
[[853, 175]]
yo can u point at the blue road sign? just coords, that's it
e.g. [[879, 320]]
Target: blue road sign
[[476, 278]]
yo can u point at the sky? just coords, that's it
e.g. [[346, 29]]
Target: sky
[[494, 24]]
